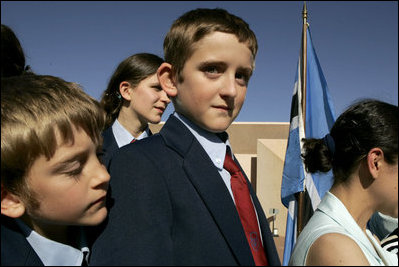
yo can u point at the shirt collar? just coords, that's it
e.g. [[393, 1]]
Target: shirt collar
[[53, 253], [333, 207], [212, 144], [123, 136]]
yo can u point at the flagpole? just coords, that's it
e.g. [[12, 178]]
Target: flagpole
[[301, 195]]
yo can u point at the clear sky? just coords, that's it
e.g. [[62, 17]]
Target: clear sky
[[356, 43]]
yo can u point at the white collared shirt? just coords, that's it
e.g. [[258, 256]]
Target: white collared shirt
[[213, 146], [53, 253], [123, 136]]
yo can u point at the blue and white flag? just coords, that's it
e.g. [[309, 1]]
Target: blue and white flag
[[320, 117]]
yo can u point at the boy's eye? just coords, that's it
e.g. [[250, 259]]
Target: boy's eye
[[212, 72], [242, 78], [74, 169], [211, 69], [75, 172]]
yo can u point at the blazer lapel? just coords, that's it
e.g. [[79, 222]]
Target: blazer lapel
[[109, 145], [210, 186], [109, 139], [216, 197]]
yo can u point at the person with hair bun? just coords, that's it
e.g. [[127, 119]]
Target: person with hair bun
[[362, 150], [132, 100]]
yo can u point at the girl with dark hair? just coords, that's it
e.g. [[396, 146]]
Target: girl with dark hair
[[362, 150], [132, 100]]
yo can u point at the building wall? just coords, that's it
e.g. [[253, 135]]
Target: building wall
[[270, 163], [244, 135]]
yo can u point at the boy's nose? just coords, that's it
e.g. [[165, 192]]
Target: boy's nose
[[229, 87], [102, 176]]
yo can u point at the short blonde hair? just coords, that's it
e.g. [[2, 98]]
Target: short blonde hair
[[194, 25], [32, 108]]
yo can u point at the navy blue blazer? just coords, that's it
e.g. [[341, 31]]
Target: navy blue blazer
[[15, 249], [110, 146], [169, 206]]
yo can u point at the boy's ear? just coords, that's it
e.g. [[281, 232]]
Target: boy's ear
[[125, 90], [375, 159], [166, 79], [11, 205]]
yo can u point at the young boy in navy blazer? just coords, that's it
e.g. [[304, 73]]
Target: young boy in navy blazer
[[52, 182], [172, 201]]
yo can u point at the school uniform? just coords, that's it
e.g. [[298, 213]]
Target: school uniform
[[169, 205], [15, 249], [117, 136], [21, 246]]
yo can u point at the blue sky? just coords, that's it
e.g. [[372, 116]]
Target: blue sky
[[356, 43]]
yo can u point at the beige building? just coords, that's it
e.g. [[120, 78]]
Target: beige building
[[260, 148]]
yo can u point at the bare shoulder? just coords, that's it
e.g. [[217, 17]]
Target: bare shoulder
[[335, 249]]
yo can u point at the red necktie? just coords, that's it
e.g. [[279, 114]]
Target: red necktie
[[245, 210], [134, 140]]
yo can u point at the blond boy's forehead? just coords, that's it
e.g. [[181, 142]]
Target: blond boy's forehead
[[226, 37]]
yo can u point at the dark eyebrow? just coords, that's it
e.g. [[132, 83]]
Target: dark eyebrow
[[213, 63], [248, 71]]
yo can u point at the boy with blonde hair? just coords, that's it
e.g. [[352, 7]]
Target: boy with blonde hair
[[52, 182], [174, 200]]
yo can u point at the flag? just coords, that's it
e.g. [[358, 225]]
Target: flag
[[319, 119]]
